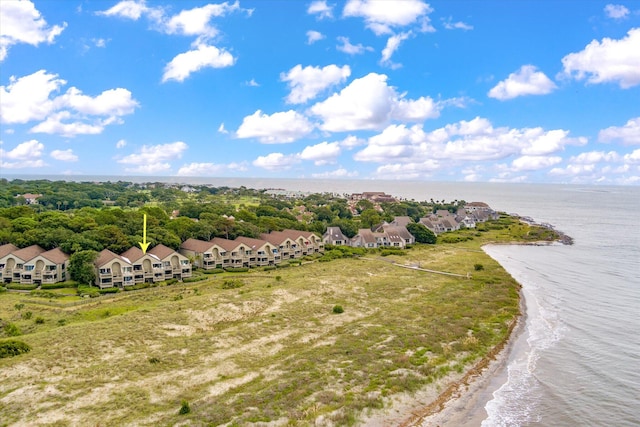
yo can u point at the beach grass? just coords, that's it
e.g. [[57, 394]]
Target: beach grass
[[272, 350]]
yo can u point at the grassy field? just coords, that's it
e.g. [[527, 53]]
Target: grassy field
[[272, 350]]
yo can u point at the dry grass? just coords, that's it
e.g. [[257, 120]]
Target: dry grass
[[272, 351]]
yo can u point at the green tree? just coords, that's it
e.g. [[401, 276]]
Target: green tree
[[421, 233], [81, 268]]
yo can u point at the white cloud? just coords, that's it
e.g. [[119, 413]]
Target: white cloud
[[28, 98], [203, 56], [369, 103], [209, 169], [25, 155], [338, 173], [127, 9], [393, 43], [276, 161], [633, 157], [616, 11], [629, 134], [592, 157], [252, 83], [305, 83], [533, 163], [320, 9], [121, 143], [154, 158], [450, 25], [277, 128], [351, 142], [196, 21], [221, 129], [21, 22], [314, 36], [525, 81], [382, 16], [323, 153], [607, 61], [64, 155], [351, 49], [408, 170], [112, 102], [465, 141]]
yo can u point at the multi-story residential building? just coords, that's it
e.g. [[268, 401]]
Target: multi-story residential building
[[6, 273], [45, 268], [263, 253], [287, 246], [147, 267], [13, 263], [334, 236], [113, 270], [174, 264]]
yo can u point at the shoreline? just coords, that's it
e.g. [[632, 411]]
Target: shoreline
[[462, 403]]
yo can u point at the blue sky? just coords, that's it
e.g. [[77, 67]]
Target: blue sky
[[503, 91]]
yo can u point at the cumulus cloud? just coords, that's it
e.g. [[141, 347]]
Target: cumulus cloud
[[610, 60], [338, 173], [276, 161], [277, 128], [616, 11], [153, 158], [393, 43], [534, 163], [121, 143], [305, 83], [369, 103], [194, 22], [321, 9], [526, 81], [412, 151], [252, 83], [629, 134], [321, 154], [30, 98], [592, 157], [351, 49], [21, 22], [27, 154], [210, 169], [314, 36], [188, 62], [64, 155], [382, 17]]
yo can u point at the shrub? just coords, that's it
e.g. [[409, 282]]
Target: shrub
[[12, 348], [12, 330], [138, 286], [478, 267], [27, 315], [20, 287], [171, 281], [194, 279], [89, 291], [236, 269], [59, 285], [19, 306], [337, 309], [154, 360], [268, 268], [108, 291], [62, 322], [232, 284], [39, 320], [3, 289], [214, 271], [184, 408]]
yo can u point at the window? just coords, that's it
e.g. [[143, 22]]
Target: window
[[184, 262], [137, 267], [105, 270], [157, 265]]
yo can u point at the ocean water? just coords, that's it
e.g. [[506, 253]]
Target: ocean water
[[577, 360]]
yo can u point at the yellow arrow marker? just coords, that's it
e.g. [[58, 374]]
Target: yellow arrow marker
[[144, 245]]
